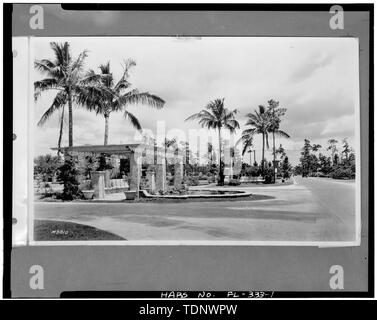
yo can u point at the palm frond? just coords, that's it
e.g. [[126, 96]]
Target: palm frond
[[43, 85], [134, 121], [134, 97], [49, 68], [123, 83], [232, 124], [121, 86], [282, 133], [247, 144], [62, 53], [59, 101], [195, 116], [90, 78], [78, 64], [105, 68], [249, 131]]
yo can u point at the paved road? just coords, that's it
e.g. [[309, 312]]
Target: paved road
[[312, 209]]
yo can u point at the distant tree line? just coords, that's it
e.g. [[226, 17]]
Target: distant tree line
[[340, 165]]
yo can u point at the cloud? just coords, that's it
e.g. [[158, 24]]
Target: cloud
[[310, 66], [343, 126]]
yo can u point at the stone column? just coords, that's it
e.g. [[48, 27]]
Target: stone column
[[135, 171], [178, 171], [151, 181], [98, 183], [107, 178], [161, 171]]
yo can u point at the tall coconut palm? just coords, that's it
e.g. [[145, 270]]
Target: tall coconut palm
[[63, 74], [100, 93], [216, 116], [276, 113], [260, 123]]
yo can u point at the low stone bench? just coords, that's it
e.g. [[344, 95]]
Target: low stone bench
[[118, 183], [251, 179]]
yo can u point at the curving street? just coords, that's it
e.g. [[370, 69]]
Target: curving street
[[311, 209]]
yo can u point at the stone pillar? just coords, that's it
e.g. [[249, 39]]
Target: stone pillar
[[98, 183], [161, 177], [178, 172], [107, 178], [161, 171], [135, 171], [151, 181]]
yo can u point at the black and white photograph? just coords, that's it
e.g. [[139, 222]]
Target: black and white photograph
[[195, 140], [188, 152]]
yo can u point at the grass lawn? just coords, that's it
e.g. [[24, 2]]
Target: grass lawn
[[50, 230], [259, 185]]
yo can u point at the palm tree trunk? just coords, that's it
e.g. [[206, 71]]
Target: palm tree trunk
[[70, 120], [221, 174], [166, 160], [106, 129], [273, 141], [263, 154], [61, 131]]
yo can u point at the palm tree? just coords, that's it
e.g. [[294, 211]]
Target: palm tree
[[232, 155], [262, 122], [216, 116], [275, 113], [101, 94], [62, 74]]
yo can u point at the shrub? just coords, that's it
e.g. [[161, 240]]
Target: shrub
[[192, 180], [45, 188], [90, 165], [253, 171], [234, 182], [268, 176], [46, 166], [67, 173], [86, 185], [103, 162], [343, 173], [286, 168]]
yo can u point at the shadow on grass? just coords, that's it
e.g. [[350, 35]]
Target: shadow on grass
[[51, 230], [252, 197]]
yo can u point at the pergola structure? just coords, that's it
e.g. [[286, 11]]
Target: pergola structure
[[135, 152]]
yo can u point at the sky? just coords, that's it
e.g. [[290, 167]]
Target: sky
[[315, 79]]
